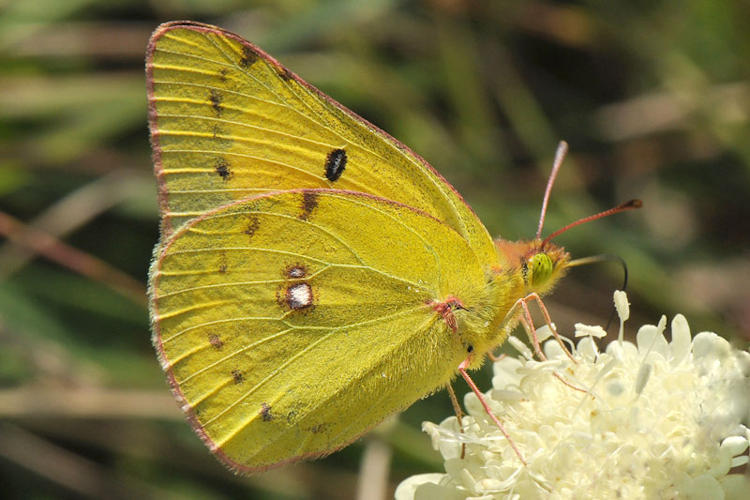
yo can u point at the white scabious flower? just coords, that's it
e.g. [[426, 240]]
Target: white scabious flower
[[658, 420]]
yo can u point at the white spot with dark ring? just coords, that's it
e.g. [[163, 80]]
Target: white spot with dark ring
[[299, 296]]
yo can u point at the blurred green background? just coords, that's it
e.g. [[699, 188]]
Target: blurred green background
[[653, 97]]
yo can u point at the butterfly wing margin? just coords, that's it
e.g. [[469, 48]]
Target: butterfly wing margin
[[292, 322], [228, 121]]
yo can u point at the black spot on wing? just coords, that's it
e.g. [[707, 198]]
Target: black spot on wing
[[215, 341], [237, 376], [222, 168], [284, 73], [248, 57], [309, 203], [265, 412], [215, 97], [253, 224], [295, 271], [335, 164]]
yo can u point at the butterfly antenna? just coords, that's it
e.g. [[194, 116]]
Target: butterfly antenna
[[562, 150], [628, 205], [593, 259]]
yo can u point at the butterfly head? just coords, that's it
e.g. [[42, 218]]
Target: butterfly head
[[539, 264]]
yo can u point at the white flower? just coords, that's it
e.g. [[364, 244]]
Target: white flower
[[657, 420]]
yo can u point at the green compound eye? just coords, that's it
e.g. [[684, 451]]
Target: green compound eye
[[541, 268]]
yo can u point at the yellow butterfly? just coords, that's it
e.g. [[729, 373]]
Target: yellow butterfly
[[314, 275]]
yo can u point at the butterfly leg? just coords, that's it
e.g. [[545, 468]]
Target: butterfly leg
[[528, 325], [531, 331], [459, 415], [467, 377], [548, 321]]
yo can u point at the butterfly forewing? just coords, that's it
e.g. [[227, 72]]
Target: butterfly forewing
[[228, 122]]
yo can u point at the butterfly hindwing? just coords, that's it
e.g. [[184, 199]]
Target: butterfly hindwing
[[291, 322]]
